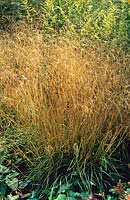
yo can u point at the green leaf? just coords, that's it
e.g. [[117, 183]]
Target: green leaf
[[2, 190], [12, 183], [24, 183], [3, 169], [64, 188], [61, 197], [18, 160], [111, 197], [112, 190], [74, 194], [33, 2], [85, 195], [12, 174], [33, 195], [128, 190], [11, 197]]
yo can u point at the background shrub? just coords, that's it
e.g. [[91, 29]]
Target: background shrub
[[106, 21]]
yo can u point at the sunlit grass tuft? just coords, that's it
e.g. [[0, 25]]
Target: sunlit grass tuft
[[67, 102]]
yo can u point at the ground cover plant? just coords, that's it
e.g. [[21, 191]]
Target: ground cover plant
[[64, 100]]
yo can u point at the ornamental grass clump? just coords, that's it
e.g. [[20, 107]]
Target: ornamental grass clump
[[68, 102]]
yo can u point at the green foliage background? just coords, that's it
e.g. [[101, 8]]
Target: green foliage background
[[102, 20]]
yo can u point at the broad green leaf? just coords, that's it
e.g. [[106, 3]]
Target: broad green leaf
[[2, 190], [85, 195], [61, 197], [128, 190]]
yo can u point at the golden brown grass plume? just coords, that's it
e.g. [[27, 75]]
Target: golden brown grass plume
[[78, 100]]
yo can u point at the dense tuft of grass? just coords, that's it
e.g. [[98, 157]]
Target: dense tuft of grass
[[66, 104]]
